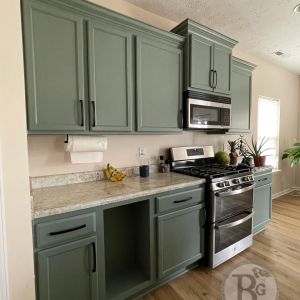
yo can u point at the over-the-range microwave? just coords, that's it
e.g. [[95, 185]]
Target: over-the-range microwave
[[206, 111]]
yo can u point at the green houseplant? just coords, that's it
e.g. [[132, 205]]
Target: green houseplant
[[233, 146], [293, 154], [256, 150]]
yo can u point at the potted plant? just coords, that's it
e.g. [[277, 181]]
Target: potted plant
[[243, 151], [233, 146], [256, 150], [293, 154]]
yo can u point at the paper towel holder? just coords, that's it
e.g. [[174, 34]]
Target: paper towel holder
[[66, 139]]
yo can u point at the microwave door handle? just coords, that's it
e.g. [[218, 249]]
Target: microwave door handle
[[225, 194], [235, 223]]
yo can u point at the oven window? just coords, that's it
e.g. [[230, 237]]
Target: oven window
[[229, 205], [227, 236], [203, 115]]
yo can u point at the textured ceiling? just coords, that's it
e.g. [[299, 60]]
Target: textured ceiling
[[261, 26]]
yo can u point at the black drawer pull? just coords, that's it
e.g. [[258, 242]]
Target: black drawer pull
[[264, 179], [94, 258], [183, 200], [67, 230]]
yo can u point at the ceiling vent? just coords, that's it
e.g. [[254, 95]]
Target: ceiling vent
[[279, 53]]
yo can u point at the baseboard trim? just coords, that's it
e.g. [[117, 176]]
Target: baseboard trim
[[284, 192]]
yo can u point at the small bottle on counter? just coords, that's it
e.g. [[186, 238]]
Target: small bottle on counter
[[167, 166], [161, 164]]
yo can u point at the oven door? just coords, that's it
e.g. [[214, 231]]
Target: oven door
[[207, 115], [227, 203], [230, 237], [232, 230]]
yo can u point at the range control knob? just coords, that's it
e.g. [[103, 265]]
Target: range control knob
[[246, 178], [235, 181], [220, 184], [250, 178]]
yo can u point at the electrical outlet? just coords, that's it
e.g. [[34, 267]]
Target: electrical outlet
[[142, 152]]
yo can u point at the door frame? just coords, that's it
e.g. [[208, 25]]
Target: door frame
[[3, 261]]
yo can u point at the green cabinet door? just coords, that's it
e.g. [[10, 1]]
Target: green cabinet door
[[110, 77], [241, 87], [262, 207], [180, 239], [53, 44], [68, 272], [201, 63], [222, 69], [159, 86]]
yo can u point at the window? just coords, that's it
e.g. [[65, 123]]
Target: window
[[268, 126]]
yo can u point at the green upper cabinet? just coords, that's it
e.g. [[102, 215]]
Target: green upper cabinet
[[91, 70], [207, 58], [201, 63], [53, 44], [159, 85], [68, 272], [110, 77], [241, 95], [222, 69]]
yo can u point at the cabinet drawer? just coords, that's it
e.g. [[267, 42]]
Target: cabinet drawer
[[63, 230], [263, 179], [180, 199]]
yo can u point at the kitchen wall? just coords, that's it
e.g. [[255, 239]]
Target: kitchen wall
[[297, 169], [14, 158], [47, 156]]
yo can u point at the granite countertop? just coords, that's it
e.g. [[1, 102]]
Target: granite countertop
[[262, 169], [61, 199]]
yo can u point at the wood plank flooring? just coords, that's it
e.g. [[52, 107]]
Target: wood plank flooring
[[277, 248]]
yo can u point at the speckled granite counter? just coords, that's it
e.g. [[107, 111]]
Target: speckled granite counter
[[61, 199], [262, 169]]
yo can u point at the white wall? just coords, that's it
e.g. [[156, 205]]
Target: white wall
[[15, 188], [46, 154]]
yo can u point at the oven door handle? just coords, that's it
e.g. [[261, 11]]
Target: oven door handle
[[225, 194], [235, 223]]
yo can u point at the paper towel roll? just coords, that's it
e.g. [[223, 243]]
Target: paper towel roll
[[77, 143], [86, 149]]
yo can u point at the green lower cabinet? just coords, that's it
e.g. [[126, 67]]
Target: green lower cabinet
[[262, 207], [180, 239], [159, 86], [68, 272]]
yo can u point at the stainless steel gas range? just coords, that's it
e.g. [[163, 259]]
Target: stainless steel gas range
[[229, 200]]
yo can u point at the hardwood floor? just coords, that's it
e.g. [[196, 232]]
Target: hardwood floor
[[277, 248]]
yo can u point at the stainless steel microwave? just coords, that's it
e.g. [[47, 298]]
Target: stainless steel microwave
[[205, 111]]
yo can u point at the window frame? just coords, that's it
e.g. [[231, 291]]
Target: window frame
[[278, 125]]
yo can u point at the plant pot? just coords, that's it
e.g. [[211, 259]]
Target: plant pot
[[233, 158], [259, 161]]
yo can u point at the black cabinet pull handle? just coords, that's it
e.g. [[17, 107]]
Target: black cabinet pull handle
[[211, 78], [67, 230], [93, 113], [264, 179], [216, 82], [94, 269], [82, 112], [183, 200]]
